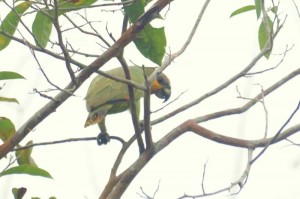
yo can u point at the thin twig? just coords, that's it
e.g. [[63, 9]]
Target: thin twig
[[80, 27], [55, 142], [274, 67], [120, 156], [44, 95], [83, 139], [262, 101], [157, 110], [45, 75], [296, 8], [169, 59], [95, 31], [265, 111], [292, 142], [278, 132], [145, 195], [67, 57], [240, 182], [244, 177], [252, 102], [11, 161], [203, 176], [110, 34], [157, 189]]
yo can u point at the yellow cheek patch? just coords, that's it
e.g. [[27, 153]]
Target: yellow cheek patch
[[93, 120], [155, 86]]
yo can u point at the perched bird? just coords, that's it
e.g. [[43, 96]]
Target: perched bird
[[106, 96]]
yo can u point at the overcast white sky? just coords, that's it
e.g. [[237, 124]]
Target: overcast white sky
[[222, 47]]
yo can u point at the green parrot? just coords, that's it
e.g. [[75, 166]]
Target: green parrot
[[106, 96]]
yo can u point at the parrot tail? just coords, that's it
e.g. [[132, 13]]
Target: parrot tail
[[95, 117]]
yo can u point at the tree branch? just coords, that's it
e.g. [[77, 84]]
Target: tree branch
[[252, 102], [240, 182], [278, 133], [147, 114], [128, 175], [219, 88], [133, 106], [62, 45]]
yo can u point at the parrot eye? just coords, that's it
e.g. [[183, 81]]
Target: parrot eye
[[160, 79]]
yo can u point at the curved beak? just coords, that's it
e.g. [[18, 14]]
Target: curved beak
[[163, 93]]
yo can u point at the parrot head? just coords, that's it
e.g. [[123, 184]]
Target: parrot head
[[161, 87]]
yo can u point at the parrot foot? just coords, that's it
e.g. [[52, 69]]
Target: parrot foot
[[103, 138]]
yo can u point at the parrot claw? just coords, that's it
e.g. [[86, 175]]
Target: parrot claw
[[103, 138]]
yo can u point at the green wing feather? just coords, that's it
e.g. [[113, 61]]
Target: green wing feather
[[103, 90]]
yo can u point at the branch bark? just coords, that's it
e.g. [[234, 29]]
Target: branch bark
[[118, 184]]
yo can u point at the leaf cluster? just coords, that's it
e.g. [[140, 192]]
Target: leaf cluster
[[23, 157], [265, 30], [26, 164], [150, 41]]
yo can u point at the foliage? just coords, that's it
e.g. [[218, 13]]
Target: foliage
[[23, 157], [7, 75], [266, 25], [20, 192], [26, 169], [243, 9], [7, 129], [10, 23], [264, 34], [151, 42], [41, 28]]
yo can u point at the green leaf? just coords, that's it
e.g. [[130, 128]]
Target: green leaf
[[26, 169], [7, 128], [42, 25], [7, 75], [71, 5], [41, 28], [10, 23], [19, 192], [7, 99], [151, 42], [4, 75], [264, 35], [24, 156], [258, 5], [134, 10], [242, 10]]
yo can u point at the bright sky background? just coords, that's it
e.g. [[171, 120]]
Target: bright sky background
[[221, 47]]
